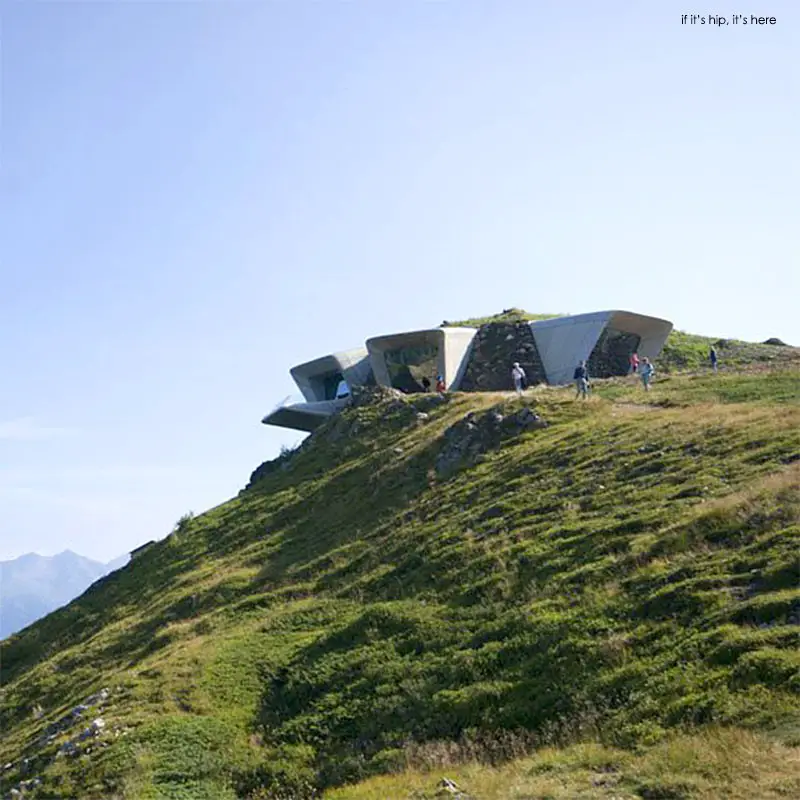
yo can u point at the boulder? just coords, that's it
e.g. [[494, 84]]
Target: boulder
[[525, 419], [466, 442], [370, 395], [97, 698], [449, 788]]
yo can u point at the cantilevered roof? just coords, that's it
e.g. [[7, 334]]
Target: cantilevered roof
[[304, 416], [564, 341]]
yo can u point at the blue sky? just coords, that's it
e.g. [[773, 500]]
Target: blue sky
[[196, 195]]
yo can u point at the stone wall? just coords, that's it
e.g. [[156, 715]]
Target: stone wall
[[612, 353], [495, 348]]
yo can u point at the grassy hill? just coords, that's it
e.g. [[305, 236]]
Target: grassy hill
[[605, 606]]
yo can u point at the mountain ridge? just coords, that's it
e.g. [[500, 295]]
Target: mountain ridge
[[32, 585]]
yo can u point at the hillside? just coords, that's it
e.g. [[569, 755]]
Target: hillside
[[33, 585], [415, 581]]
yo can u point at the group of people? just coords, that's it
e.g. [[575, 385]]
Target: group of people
[[642, 367], [440, 385]]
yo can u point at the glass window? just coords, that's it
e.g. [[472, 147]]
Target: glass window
[[408, 366]]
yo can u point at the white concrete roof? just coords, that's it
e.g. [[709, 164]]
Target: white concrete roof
[[564, 341]]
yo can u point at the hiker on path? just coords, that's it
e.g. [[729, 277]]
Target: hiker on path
[[581, 378], [518, 376], [634, 363], [712, 357], [440, 387], [646, 372], [426, 384]]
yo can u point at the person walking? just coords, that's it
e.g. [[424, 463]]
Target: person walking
[[518, 376], [634, 363], [440, 387], [581, 378], [646, 372], [712, 357]]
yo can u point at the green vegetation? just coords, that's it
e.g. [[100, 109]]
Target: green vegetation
[[686, 351], [718, 763], [621, 588], [509, 315]]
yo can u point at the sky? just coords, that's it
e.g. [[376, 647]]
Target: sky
[[195, 196]]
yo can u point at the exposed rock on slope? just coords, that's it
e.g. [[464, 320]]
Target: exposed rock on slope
[[477, 434]]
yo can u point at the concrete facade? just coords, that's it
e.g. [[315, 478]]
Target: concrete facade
[[325, 384], [319, 379], [403, 359], [564, 341]]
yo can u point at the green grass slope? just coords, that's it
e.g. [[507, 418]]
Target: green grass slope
[[625, 574], [712, 764], [509, 315]]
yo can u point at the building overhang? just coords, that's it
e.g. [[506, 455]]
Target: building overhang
[[306, 417], [564, 341]]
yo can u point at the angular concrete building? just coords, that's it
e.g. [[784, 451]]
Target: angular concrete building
[[325, 383], [604, 339], [403, 360], [472, 359], [322, 378]]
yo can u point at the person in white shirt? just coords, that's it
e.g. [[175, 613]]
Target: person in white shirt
[[518, 376]]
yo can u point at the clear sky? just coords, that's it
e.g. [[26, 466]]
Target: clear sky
[[195, 196]]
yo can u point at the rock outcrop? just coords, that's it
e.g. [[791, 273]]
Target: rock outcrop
[[494, 350], [611, 355], [41, 752], [471, 437], [370, 395]]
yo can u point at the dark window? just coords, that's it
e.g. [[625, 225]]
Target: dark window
[[612, 353], [330, 384], [407, 367]]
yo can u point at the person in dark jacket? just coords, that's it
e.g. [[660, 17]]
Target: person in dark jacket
[[712, 357], [581, 378]]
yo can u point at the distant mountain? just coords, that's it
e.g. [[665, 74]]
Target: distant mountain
[[32, 586]]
